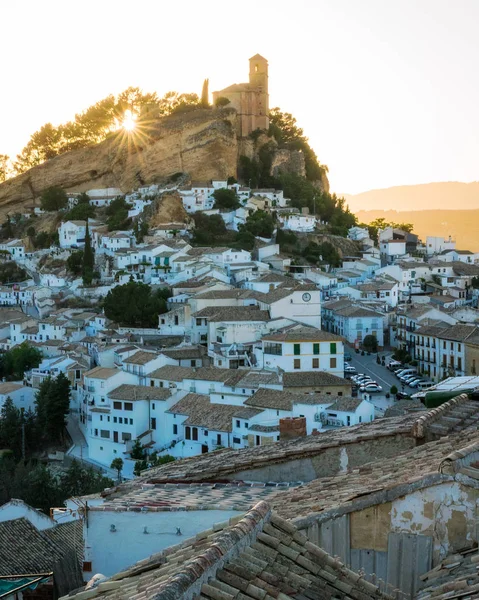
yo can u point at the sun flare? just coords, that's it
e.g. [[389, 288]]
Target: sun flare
[[128, 122]]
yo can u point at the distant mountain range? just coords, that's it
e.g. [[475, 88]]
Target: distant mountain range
[[440, 196], [461, 225]]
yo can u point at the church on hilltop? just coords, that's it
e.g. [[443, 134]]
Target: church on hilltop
[[251, 100]]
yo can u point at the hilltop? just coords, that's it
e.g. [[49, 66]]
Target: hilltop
[[440, 196]]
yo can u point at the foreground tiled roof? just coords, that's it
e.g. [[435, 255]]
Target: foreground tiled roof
[[457, 576], [179, 496], [376, 482], [218, 465], [25, 549], [259, 556]]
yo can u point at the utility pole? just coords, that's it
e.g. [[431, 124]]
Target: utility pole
[[22, 412]]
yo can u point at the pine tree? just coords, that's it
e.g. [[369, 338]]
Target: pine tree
[[88, 259], [204, 94], [11, 428]]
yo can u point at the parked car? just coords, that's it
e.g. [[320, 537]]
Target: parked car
[[407, 378], [415, 383], [349, 369], [402, 396], [394, 364], [347, 356], [371, 388]]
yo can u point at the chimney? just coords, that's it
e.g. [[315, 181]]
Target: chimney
[[292, 428]]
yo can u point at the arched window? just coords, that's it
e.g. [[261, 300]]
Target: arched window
[[256, 68]]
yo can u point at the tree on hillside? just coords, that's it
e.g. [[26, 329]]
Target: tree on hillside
[[260, 223], [135, 305], [75, 262], [226, 199], [205, 102], [208, 228], [19, 359], [53, 403], [140, 229], [88, 263], [222, 101], [4, 167], [11, 428], [53, 198], [117, 464], [381, 223], [117, 213]]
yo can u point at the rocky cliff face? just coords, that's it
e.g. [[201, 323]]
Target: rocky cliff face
[[201, 143]]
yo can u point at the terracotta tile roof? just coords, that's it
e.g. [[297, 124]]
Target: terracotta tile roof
[[232, 313], [172, 373], [371, 483], [7, 387], [68, 537], [303, 334], [139, 392], [185, 352], [454, 415], [25, 549], [283, 400], [202, 412], [345, 404], [141, 358], [217, 466], [312, 379], [258, 556], [101, 372], [456, 576]]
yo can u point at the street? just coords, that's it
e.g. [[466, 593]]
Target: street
[[382, 375]]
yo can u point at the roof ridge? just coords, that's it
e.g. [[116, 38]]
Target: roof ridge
[[419, 426]]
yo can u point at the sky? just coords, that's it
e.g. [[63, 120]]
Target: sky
[[386, 90]]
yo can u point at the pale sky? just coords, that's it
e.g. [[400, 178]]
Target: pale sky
[[387, 91]]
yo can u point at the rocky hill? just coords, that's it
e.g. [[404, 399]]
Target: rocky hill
[[201, 143]]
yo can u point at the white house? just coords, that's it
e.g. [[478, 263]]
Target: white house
[[21, 395], [301, 349], [302, 304], [353, 321], [436, 245], [14, 247], [297, 222], [72, 233]]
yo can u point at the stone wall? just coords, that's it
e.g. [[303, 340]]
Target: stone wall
[[330, 461], [291, 428]]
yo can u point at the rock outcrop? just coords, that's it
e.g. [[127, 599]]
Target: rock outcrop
[[202, 143]]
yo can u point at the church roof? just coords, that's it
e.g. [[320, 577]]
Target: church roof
[[258, 57]]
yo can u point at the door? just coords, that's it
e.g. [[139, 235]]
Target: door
[[204, 448], [115, 436]]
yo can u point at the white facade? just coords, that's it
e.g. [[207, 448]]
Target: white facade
[[297, 222], [436, 245]]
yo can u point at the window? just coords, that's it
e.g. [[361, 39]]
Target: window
[[332, 363], [128, 406], [206, 433], [297, 349], [161, 384], [238, 423], [198, 322], [117, 405], [195, 434], [131, 421], [187, 433], [332, 348], [246, 425], [193, 362], [315, 348], [105, 433], [115, 419], [276, 349], [348, 420], [87, 565], [120, 420], [459, 347], [153, 406], [96, 432], [175, 429], [152, 383], [125, 437], [101, 417], [153, 422], [236, 440], [77, 374], [315, 363], [297, 363]]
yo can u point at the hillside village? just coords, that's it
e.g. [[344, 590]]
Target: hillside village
[[289, 473]]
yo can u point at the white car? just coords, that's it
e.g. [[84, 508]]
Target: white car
[[371, 388], [349, 369]]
